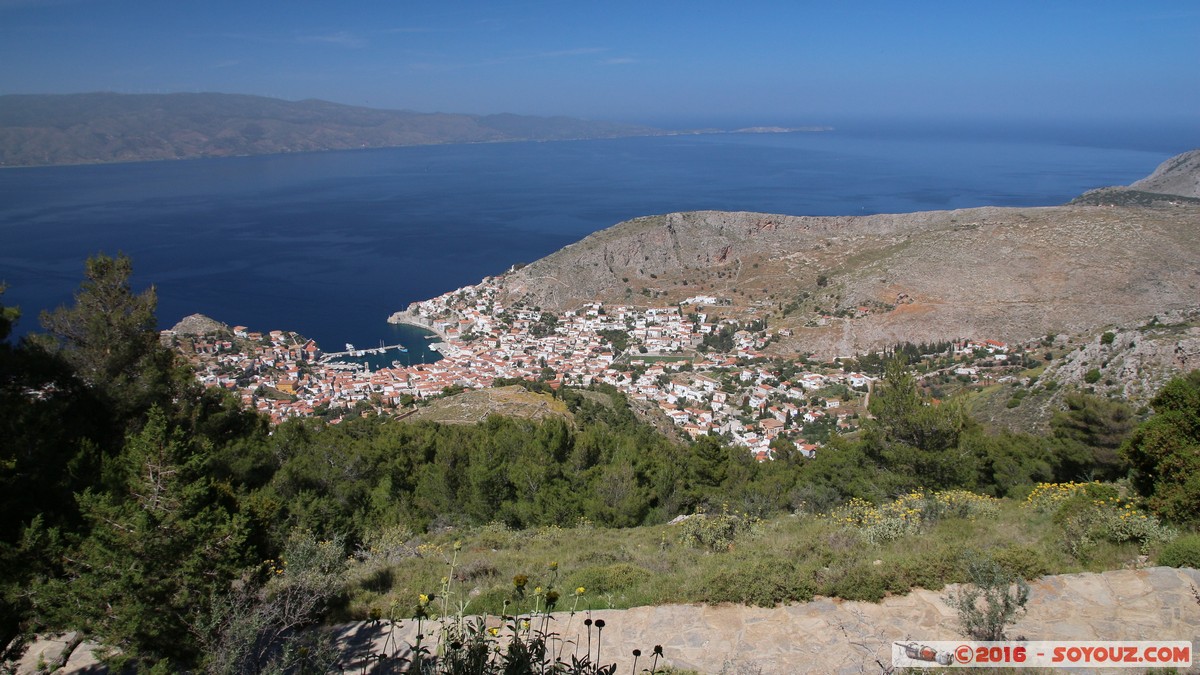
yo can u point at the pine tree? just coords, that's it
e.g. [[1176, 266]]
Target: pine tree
[[110, 337], [159, 546], [915, 439]]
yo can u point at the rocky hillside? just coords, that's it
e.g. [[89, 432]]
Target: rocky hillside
[[198, 324], [1175, 180], [1179, 175], [847, 284], [90, 128], [1128, 362]]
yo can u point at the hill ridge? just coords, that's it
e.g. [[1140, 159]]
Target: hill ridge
[[847, 284], [1179, 175], [37, 129]]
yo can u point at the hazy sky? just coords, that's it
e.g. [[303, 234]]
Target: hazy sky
[[645, 61]]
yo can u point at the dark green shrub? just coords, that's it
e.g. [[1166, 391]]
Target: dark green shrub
[[1092, 376], [763, 582], [859, 582], [1183, 552], [930, 568], [609, 578], [1163, 454], [1021, 561]]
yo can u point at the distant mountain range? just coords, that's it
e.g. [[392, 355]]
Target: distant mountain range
[[104, 127]]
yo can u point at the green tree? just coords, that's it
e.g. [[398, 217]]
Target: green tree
[[1088, 436], [110, 337], [52, 434], [158, 548], [619, 339], [8, 316], [916, 440], [1164, 451], [841, 470], [620, 501], [1008, 461], [708, 461]]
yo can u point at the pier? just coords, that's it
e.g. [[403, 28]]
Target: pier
[[362, 352]]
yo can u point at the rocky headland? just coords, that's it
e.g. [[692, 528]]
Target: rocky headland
[[844, 285]]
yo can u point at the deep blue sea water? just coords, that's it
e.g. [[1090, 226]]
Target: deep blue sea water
[[329, 244]]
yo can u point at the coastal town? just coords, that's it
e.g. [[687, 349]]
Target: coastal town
[[703, 374]]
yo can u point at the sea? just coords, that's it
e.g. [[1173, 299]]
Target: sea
[[329, 244]]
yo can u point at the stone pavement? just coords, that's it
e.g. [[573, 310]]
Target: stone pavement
[[834, 636], [822, 636]]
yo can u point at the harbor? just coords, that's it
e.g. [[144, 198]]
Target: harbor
[[352, 352], [404, 347]]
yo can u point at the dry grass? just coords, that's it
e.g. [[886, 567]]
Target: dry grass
[[471, 407]]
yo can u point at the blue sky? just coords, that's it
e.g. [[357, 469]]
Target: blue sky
[[648, 61]]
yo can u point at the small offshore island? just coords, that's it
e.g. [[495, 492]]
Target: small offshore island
[[780, 130]]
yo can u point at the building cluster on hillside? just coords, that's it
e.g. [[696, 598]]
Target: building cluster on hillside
[[643, 352]]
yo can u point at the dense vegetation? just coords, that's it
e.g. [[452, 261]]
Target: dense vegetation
[[150, 512]]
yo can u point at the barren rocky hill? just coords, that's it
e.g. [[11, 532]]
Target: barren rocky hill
[[1179, 175], [848, 284]]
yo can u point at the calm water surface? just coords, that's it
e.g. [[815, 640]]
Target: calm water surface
[[329, 244]]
